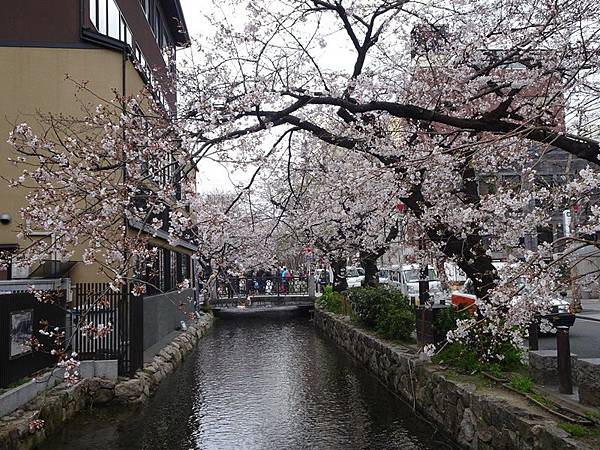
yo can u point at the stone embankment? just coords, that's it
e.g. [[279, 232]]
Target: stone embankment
[[474, 417], [56, 406]]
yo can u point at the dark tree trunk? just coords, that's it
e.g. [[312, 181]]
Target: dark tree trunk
[[339, 275], [368, 261], [469, 252]]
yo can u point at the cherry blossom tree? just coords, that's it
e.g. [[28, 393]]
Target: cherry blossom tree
[[337, 216], [444, 95]]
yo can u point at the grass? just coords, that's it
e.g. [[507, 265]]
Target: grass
[[496, 371], [540, 398], [594, 414], [575, 430], [521, 383]]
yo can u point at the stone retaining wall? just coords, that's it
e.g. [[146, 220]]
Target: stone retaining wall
[[57, 405], [473, 418]]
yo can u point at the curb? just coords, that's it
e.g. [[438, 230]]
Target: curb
[[593, 319]]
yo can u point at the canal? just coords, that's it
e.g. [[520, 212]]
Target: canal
[[260, 382]]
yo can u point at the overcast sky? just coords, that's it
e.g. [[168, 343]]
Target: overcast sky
[[211, 176], [336, 55]]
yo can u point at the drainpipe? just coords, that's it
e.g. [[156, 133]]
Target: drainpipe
[[125, 290]]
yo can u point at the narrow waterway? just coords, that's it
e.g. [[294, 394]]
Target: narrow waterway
[[260, 382]]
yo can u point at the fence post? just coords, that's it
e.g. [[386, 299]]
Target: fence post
[[311, 286], [534, 331], [424, 325], [136, 332], [563, 349]]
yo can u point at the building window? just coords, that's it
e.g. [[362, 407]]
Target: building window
[[163, 264], [102, 17], [146, 7], [183, 267], [156, 20], [94, 12], [106, 17], [114, 20], [173, 271], [545, 235]]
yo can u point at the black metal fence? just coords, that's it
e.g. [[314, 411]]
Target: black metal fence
[[23, 349], [96, 305]]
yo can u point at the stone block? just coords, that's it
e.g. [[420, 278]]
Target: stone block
[[19, 396], [543, 366], [108, 369], [128, 391], [588, 374]]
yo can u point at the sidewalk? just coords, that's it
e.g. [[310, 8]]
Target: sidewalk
[[590, 309]]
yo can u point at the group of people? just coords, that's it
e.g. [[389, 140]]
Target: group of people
[[261, 281]]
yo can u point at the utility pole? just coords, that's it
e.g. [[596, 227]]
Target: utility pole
[[572, 216]]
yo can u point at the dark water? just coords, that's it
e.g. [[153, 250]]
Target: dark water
[[260, 383]]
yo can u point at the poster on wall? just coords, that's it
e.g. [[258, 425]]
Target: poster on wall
[[21, 331]]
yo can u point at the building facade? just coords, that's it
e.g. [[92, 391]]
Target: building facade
[[113, 46]]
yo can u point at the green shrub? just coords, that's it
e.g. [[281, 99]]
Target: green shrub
[[367, 304], [459, 356], [446, 320], [330, 300], [384, 310], [467, 356], [396, 323]]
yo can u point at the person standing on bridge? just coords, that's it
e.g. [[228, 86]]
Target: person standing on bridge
[[232, 281], [269, 280], [261, 280], [285, 276]]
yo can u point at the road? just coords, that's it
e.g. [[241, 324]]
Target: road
[[585, 339]]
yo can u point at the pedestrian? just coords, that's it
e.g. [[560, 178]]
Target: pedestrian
[[249, 282], [261, 278], [231, 283], [284, 279], [268, 281]]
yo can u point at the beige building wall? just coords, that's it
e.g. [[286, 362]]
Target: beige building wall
[[34, 80]]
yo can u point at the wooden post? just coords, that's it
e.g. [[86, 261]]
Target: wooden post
[[534, 334], [136, 332], [563, 349]]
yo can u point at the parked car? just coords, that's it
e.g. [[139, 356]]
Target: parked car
[[354, 277], [384, 276], [410, 283], [561, 314], [406, 279]]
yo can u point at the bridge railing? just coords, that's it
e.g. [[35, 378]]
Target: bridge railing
[[263, 288]]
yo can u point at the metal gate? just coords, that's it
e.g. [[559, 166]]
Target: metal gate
[[96, 304]]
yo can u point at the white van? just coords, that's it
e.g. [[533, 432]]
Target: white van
[[391, 276], [410, 283]]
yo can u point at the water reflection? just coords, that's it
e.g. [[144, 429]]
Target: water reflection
[[262, 383]]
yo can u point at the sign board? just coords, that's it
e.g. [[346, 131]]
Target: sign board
[[21, 332]]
